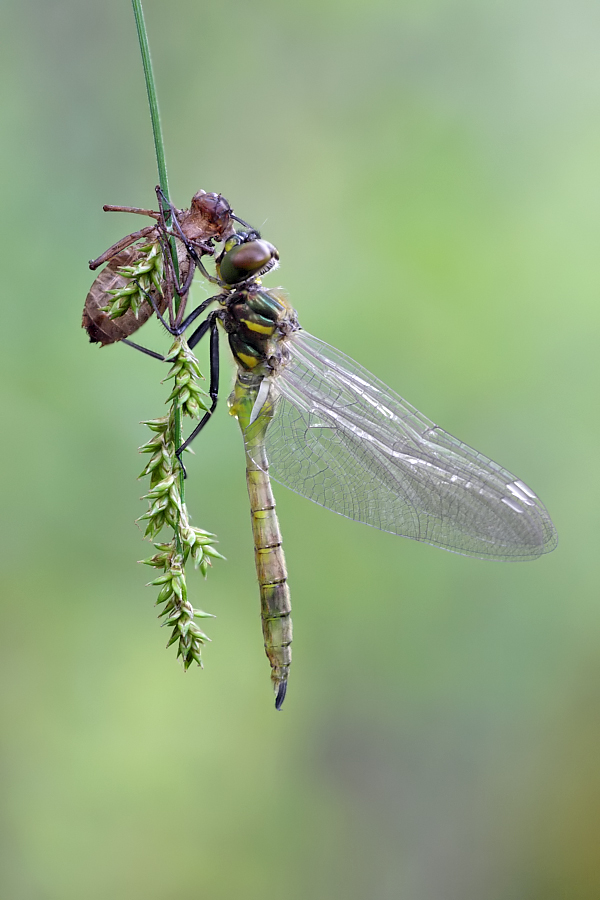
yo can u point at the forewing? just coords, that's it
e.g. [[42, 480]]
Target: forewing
[[343, 439]]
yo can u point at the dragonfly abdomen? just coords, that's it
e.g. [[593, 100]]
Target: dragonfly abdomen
[[271, 570]]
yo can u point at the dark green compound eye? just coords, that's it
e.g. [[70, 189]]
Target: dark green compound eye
[[244, 260]]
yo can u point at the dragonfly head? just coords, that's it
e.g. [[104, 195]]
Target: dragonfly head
[[246, 256]]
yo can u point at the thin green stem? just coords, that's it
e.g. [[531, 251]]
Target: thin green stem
[[152, 98], [160, 162], [159, 145]]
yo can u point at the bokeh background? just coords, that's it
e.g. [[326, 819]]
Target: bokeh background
[[430, 172]]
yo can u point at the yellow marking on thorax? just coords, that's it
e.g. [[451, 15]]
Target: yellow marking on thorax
[[262, 329], [250, 361]]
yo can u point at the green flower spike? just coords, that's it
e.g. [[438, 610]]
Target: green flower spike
[[167, 508], [145, 275]]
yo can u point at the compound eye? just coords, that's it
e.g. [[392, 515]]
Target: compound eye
[[245, 260], [253, 256]]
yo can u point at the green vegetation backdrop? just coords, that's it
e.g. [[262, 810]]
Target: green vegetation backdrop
[[430, 172]]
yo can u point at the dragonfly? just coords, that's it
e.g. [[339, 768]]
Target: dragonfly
[[319, 423]]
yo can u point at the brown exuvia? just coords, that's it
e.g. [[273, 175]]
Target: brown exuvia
[[194, 230]]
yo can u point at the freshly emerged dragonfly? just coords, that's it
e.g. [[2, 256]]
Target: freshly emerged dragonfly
[[321, 424]]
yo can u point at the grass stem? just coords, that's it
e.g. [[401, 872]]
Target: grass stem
[[160, 162]]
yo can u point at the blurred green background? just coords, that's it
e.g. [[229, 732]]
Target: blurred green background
[[430, 172]]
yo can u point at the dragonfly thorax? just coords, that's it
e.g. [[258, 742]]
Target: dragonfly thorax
[[258, 321]]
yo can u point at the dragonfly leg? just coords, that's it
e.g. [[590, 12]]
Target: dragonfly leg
[[163, 202], [184, 289], [152, 303], [193, 253], [131, 209], [241, 221], [139, 347], [121, 245], [199, 333], [209, 323]]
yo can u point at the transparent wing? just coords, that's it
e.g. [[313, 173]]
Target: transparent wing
[[343, 439]]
